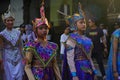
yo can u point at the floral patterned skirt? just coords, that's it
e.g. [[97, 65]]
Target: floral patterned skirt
[[43, 74]]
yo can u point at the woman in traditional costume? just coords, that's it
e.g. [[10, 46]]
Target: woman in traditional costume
[[113, 68], [78, 64], [40, 54], [11, 49]]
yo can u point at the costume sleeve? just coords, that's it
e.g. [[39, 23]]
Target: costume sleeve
[[56, 70], [29, 55], [70, 45]]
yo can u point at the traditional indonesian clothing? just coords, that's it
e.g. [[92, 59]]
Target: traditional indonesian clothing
[[109, 72], [42, 61], [76, 59], [12, 56]]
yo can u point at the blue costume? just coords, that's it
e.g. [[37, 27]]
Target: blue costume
[[77, 60], [109, 72], [82, 49]]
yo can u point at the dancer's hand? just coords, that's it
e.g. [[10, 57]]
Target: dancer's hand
[[75, 78], [90, 72], [106, 50], [115, 74]]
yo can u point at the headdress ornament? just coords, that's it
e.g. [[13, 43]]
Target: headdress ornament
[[79, 16], [7, 14], [75, 17], [43, 20], [72, 19], [69, 21]]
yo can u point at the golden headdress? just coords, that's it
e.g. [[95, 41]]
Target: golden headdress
[[7, 14], [43, 20]]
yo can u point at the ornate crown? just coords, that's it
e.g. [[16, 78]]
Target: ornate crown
[[79, 16], [8, 14], [43, 20]]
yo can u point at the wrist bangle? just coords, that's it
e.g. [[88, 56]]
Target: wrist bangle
[[95, 71], [73, 74]]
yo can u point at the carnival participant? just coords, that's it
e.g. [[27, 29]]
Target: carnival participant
[[11, 49], [78, 64], [113, 68], [41, 54]]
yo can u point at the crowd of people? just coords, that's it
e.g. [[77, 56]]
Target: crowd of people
[[30, 54]]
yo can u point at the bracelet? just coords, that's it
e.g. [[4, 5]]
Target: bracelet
[[74, 74], [95, 71]]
